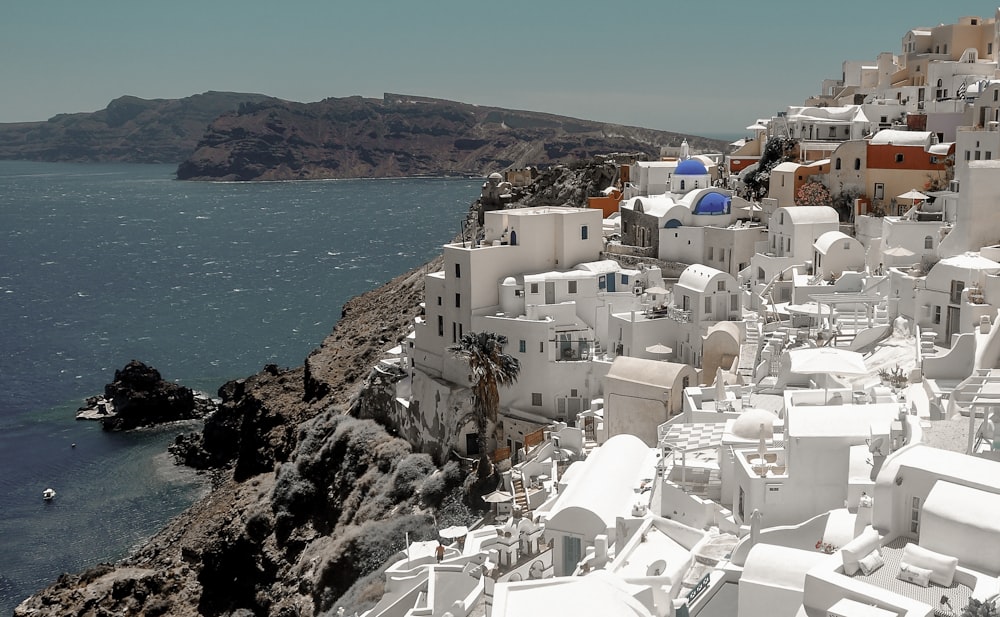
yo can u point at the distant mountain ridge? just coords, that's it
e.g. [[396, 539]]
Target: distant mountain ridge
[[403, 135], [128, 130], [243, 136]]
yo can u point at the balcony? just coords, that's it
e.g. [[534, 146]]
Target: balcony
[[670, 312], [578, 351]]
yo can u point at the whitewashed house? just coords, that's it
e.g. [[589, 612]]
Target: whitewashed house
[[792, 236], [835, 252], [949, 299], [639, 395]]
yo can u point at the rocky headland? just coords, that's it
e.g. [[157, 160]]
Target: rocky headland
[[402, 135], [140, 397]]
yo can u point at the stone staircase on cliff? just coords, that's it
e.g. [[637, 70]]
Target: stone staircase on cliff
[[520, 495]]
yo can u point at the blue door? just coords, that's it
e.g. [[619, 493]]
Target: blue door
[[572, 553]]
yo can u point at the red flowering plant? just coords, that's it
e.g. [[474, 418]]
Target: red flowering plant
[[813, 193]]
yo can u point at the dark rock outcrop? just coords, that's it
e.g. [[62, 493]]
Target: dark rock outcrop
[[140, 397], [129, 130], [402, 135]]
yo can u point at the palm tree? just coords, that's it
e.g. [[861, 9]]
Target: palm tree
[[489, 368]]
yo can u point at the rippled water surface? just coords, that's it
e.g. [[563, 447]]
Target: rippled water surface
[[100, 264]]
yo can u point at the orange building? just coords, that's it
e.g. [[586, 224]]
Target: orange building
[[901, 161]]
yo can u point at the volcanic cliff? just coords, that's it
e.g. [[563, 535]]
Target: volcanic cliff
[[402, 135], [128, 130]]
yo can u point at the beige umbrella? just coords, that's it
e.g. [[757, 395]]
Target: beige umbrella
[[898, 251], [913, 196], [827, 361], [497, 497], [660, 350]]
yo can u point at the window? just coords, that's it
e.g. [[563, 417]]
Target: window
[[899, 157], [847, 245], [541, 346], [439, 300], [996, 93], [536, 399], [915, 515], [989, 50], [734, 302], [454, 332], [458, 300], [721, 286], [708, 304], [440, 325], [534, 288], [836, 165], [522, 346], [682, 185], [857, 164], [978, 155], [685, 381], [458, 271], [937, 314], [928, 242], [572, 287], [602, 282], [584, 232], [833, 131], [711, 253], [989, 155], [956, 291], [968, 155]]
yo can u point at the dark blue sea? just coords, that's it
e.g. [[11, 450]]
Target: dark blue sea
[[207, 282]]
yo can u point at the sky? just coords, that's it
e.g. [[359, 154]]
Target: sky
[[696, 67]]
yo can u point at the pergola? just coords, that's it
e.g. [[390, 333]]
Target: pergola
[[870, 300]]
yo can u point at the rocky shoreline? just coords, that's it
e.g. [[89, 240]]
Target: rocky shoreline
[[307, 502], [241, 550]]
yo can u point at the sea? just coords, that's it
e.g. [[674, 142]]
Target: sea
[[207, 282]]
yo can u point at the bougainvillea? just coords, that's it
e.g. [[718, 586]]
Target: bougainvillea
[[813, 193]]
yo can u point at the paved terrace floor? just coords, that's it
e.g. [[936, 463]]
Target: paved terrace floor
[[885, 577]]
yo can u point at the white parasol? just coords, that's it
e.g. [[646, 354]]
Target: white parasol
[[497, 497], [659, 349], [913, 195], [454, 532], [827, 361]]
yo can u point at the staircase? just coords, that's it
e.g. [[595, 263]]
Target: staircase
[[927, 343], [749, 351], [520, 495]]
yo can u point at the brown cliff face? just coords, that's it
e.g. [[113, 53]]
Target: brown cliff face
[[129, 130], [402, 136]]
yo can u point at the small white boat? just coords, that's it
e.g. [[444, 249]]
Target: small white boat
[[48, 494]]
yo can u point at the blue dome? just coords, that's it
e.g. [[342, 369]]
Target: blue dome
[[713, 203], [690, 167]]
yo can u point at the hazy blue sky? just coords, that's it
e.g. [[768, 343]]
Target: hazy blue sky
[[690, 66]]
